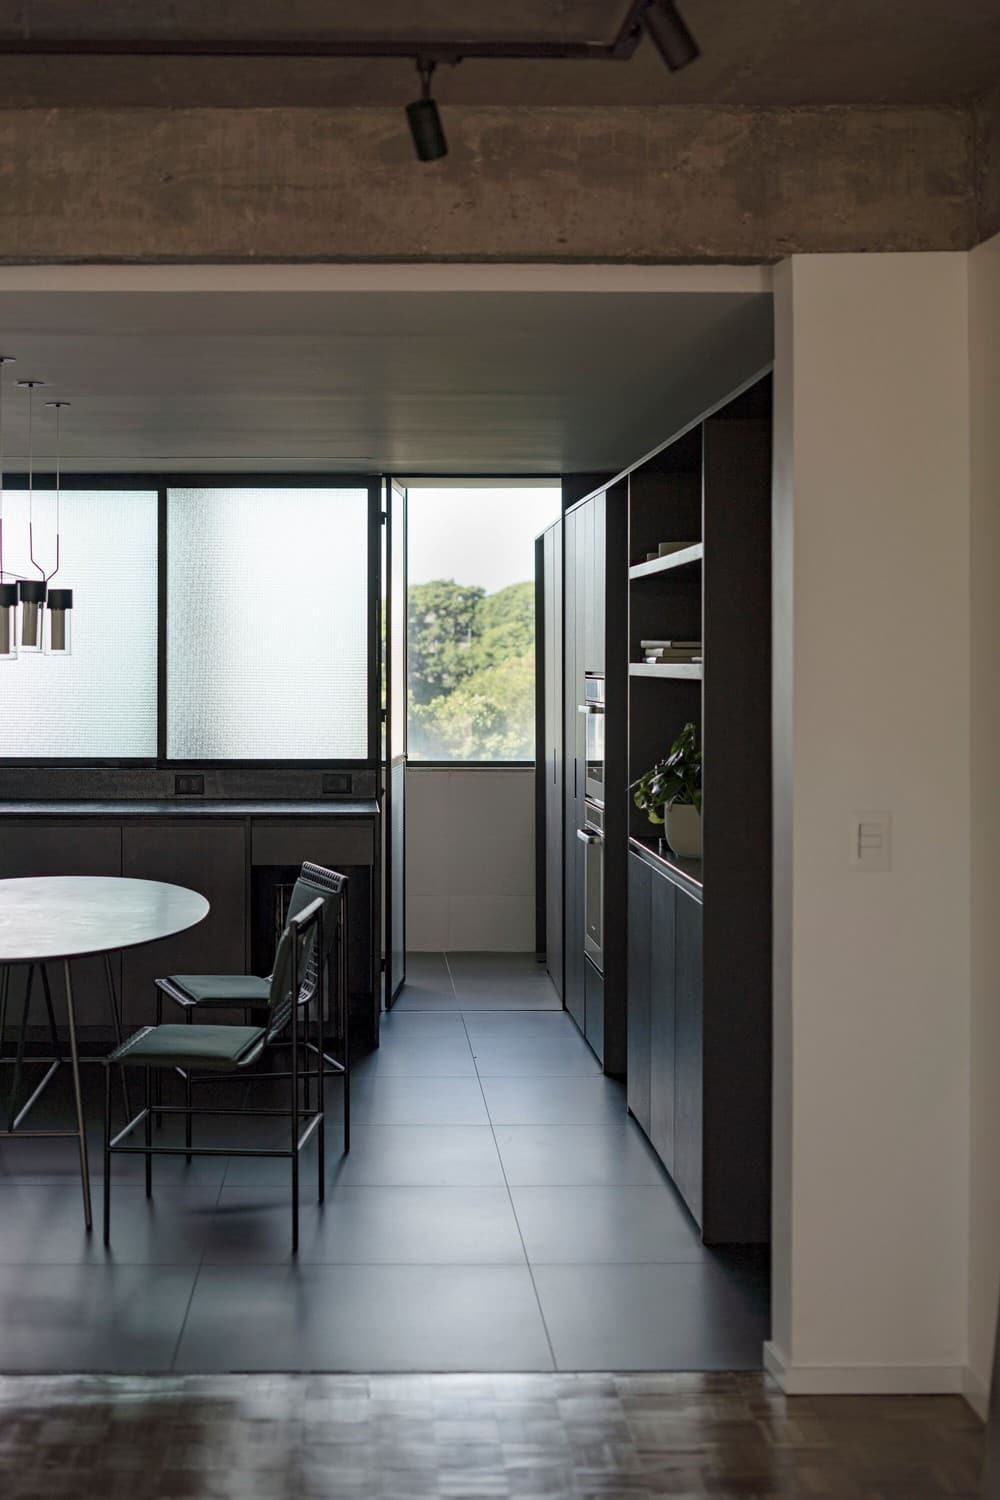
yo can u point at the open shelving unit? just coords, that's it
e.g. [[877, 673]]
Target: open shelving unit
[[699, 931], [684, 558], [665, 601], [678, 670]]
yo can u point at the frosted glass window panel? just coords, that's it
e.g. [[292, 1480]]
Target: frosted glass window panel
[[267, 624], [99, 703]]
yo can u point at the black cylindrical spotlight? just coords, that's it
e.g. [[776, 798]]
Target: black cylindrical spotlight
[[425, 122], [669, 33]]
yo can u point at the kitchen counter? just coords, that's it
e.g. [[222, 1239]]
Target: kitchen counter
[[237, 852], [687, 873], [191, 807]]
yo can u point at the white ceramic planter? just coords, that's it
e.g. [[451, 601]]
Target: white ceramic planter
[[683, 831]]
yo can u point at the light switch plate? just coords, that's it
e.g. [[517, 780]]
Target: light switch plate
[[871, 842]]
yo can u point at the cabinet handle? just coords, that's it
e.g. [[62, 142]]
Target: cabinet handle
[[589, 838]]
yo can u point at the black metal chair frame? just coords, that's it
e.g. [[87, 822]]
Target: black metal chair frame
[[332, 1068], [307, 922]]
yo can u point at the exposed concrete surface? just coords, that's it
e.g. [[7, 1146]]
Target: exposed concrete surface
[[605, 183], [987, 118]]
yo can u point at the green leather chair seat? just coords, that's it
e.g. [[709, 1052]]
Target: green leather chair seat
[[210, 1049], [223, 990]]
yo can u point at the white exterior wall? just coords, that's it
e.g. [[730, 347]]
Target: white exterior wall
[[470, 859]]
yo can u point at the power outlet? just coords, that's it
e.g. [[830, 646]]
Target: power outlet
[[336, 783], [189, 785]]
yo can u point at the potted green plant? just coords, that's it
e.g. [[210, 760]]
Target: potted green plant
[[670, 794]]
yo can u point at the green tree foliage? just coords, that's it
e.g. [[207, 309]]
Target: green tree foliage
[[471, 672], [442, 631]]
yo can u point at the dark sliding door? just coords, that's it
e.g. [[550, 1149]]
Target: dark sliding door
[[394, 815]]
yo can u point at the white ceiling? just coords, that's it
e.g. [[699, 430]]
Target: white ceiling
[[442, 382]]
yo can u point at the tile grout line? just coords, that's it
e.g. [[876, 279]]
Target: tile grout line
[[451, 981], [187, 1310], [510, 1198], [201, 1259]]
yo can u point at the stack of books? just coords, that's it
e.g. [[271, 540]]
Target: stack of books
[[671, 651], [665, 549]]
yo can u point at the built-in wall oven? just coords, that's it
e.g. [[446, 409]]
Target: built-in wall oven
[[592, 708], [591, 835]]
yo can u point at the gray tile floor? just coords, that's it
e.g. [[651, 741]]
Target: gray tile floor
[[498, 1211]]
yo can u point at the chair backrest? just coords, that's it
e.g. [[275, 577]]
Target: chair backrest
[[313, 881], [297, 949], [318, 882]]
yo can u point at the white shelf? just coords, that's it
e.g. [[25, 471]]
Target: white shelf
[[682, 559], [675, 669]]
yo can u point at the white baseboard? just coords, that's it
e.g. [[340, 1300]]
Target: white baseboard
[[866, 1380], [975, 1393]]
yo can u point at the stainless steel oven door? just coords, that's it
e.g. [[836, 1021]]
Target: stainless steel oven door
[[591, 835], [593, 709]]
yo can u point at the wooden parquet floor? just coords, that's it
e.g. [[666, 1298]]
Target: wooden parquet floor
[[533, 1437]]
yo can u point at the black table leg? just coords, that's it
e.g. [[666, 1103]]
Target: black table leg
[[116, 1021], [80, 1124]]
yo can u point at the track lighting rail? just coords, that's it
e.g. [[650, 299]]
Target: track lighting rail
[[659, 18], [448, 50]]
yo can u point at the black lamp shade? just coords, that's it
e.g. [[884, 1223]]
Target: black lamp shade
[[425, 128], [60, 598], [8, 595], [31, 596], [670, 35]]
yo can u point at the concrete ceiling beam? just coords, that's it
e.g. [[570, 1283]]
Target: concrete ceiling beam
[[593, 184]]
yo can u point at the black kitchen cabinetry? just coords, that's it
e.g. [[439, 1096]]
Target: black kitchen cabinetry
[[549, 755], [595, 644], [233, 853], [666, 978], [688, 1054], [700, 932], [208, 857], [640, 947], [574, 632], [695, 1064], [677, 548], [665, 1021]]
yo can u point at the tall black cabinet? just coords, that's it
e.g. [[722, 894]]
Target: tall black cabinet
[[549, 752], [682, 1002], [595, 645], [700, 931]]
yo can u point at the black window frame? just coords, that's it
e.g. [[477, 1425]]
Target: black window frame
[[160, 484]]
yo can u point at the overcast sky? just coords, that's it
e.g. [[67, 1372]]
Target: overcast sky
[[483, 536]]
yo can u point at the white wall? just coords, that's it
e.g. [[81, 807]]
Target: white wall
[[470, 859], [984, 1220], [872, 712]]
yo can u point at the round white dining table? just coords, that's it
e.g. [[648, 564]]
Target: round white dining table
[[57, 918]]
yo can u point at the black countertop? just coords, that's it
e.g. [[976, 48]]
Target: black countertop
[[686, 873], [196, 807]]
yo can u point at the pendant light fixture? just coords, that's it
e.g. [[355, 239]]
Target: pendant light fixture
[[59, 605], [31, 592], [8, 588]]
